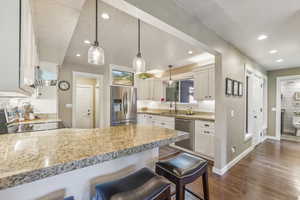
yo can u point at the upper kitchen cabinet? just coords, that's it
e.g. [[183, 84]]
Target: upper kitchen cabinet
[[150, 89], [18, 49], [205, 84]]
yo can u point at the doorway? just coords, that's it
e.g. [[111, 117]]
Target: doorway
[[255, 95], [85, 109], [87, 100], [288, 108]]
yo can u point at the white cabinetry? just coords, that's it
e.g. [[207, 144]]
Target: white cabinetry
[[204, 138], [155, 120], [18, 48], [205, 84], [149, 89]]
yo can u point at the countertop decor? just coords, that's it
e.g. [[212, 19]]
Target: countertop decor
[[31, 156]]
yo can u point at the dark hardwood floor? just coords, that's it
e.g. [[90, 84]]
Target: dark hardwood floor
[[270, 172]]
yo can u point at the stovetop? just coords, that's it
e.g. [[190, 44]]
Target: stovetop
[[31, 127]]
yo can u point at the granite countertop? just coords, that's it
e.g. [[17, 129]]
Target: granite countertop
[[32, 156], [35, 121], [197, 116]]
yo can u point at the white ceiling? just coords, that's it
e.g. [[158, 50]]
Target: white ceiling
[[240, 22], [54, 23], [118, 36]]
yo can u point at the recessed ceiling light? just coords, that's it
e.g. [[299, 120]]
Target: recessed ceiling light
[[78, 55], [279, 60], [262, 37], [105, 16], [273, 51], [190, 52], [87, 42]]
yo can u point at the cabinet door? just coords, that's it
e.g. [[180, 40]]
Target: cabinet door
[[211, 84], [201, 85], [204, 143], [28, 47], [142, 89], [157, 90]]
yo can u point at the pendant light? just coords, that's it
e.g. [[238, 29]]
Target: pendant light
[[170, 82], [139, 63], [96, 52]]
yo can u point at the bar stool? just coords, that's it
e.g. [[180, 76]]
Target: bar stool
[[141, 185], [182, 170]]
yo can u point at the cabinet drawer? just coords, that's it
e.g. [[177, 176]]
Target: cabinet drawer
[[204, 125], [163, 119], [164, 124]]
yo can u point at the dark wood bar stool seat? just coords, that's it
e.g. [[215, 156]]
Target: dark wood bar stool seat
[[141, 185], [182, 170]]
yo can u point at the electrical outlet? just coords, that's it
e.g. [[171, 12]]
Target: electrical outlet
[[233, 149], [232, 113]]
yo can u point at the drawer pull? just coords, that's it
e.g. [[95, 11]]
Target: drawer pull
[[206, 125], [206, 132], [163, 124]]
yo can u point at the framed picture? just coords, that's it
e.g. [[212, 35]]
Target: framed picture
[[229, 86], [122, 78], [235, 88], [241, 89]]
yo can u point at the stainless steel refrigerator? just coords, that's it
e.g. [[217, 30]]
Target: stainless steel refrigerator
[[123, 106]]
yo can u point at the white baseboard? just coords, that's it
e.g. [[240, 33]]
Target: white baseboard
[[222, 171], [272, 138]]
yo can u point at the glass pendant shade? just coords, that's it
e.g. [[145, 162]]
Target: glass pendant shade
[[170, 83], [96, 55], [139, 64], [96, 52]]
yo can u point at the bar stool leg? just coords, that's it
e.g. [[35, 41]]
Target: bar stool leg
[[205, 186], [169, 194], [180, 192]]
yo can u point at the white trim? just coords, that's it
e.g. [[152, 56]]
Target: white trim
[[272, 138], [233, 162], [278, 102], [99, 78]]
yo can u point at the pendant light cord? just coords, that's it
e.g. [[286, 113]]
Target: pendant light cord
[[96, 22], [139, 36]]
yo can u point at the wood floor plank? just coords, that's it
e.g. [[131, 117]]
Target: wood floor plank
[[270, 172]]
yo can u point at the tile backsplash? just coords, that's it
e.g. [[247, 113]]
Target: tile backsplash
[[201, 106]]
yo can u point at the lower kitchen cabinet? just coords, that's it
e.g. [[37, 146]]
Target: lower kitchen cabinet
[[155, 120], [204, 138]]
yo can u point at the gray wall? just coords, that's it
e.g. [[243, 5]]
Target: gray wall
[[229, 130], [65, 97], [272, 76]]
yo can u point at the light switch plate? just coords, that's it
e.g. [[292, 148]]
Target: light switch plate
[[69, 105]]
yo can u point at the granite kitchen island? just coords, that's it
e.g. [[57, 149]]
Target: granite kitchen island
[[69, 158]]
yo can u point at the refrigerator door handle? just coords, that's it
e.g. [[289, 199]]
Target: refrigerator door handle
[[126, 103], [123, 106]]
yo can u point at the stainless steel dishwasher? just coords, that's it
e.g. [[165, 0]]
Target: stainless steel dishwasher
[[186, 125]]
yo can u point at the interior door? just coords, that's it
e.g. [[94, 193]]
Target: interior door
[[257, 108], [84, 106]]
